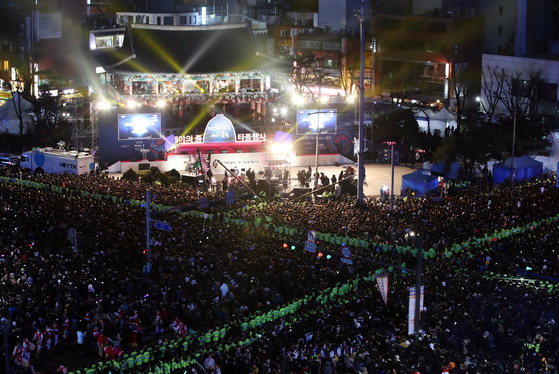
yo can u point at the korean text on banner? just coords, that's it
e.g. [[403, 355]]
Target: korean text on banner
[[382, 282]]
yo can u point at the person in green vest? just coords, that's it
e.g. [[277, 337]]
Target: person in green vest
[[258, 320], [208, 337], [131, 360], [139, 359], [147, 356]]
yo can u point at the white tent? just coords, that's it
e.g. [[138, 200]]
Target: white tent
[[9, 120], [435, 122]]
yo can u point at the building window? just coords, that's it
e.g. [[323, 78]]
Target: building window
[[393, 45], [331, 63], [309, 44], [182, 20], [167, 20], [104, 42], [6, 65], [500, 30], [435, 47], [331, 46], [390, 24], [501, 10], [414, 46], [283, 33], [437, 27], [293, 32], [415, 26]]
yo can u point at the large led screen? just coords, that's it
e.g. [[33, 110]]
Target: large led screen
[[139, 126], [309, 120]]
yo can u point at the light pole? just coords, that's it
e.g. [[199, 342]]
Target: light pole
[[317, 131], [392, 183], [360, 161], [513, 140]]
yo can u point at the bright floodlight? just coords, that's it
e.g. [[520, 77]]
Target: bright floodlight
[[324, 99], [102, 104], [280, 148], [297, 99], [350, 98], [131, 104], [160, 103], [275, 148]]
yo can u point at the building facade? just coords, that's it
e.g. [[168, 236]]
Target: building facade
[[417, 56]]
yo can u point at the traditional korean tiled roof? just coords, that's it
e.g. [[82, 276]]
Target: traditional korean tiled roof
[[186, 50]]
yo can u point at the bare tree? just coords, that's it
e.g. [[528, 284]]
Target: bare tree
[[533, 93], [492, 85], [349, 72], [509, 98], [458, 80], [22, 85], [306, 70]]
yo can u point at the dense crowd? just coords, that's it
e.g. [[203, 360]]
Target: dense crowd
[[225, 272]]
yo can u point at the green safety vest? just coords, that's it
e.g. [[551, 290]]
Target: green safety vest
[[208, 337], [146, 357], [139, 360]]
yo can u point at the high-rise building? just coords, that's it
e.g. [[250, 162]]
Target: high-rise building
[[512, 27], [338, 17], [417, 56]]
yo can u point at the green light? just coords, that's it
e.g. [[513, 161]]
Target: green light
[[328, 257], [292, 247]]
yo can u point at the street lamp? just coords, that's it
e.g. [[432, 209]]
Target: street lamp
[[361, 16], [515, 106], [392, 185]]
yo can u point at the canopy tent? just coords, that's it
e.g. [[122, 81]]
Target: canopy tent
[[9, 120], [435, 122], [420, 183], [439, 169], [524, 167]]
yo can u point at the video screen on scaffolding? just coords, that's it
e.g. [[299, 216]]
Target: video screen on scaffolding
[[309, 120], [139, 126]]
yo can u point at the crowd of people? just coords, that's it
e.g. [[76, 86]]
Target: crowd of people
[[224, 294]]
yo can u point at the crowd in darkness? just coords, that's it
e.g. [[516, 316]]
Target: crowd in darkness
[[210, 272]]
